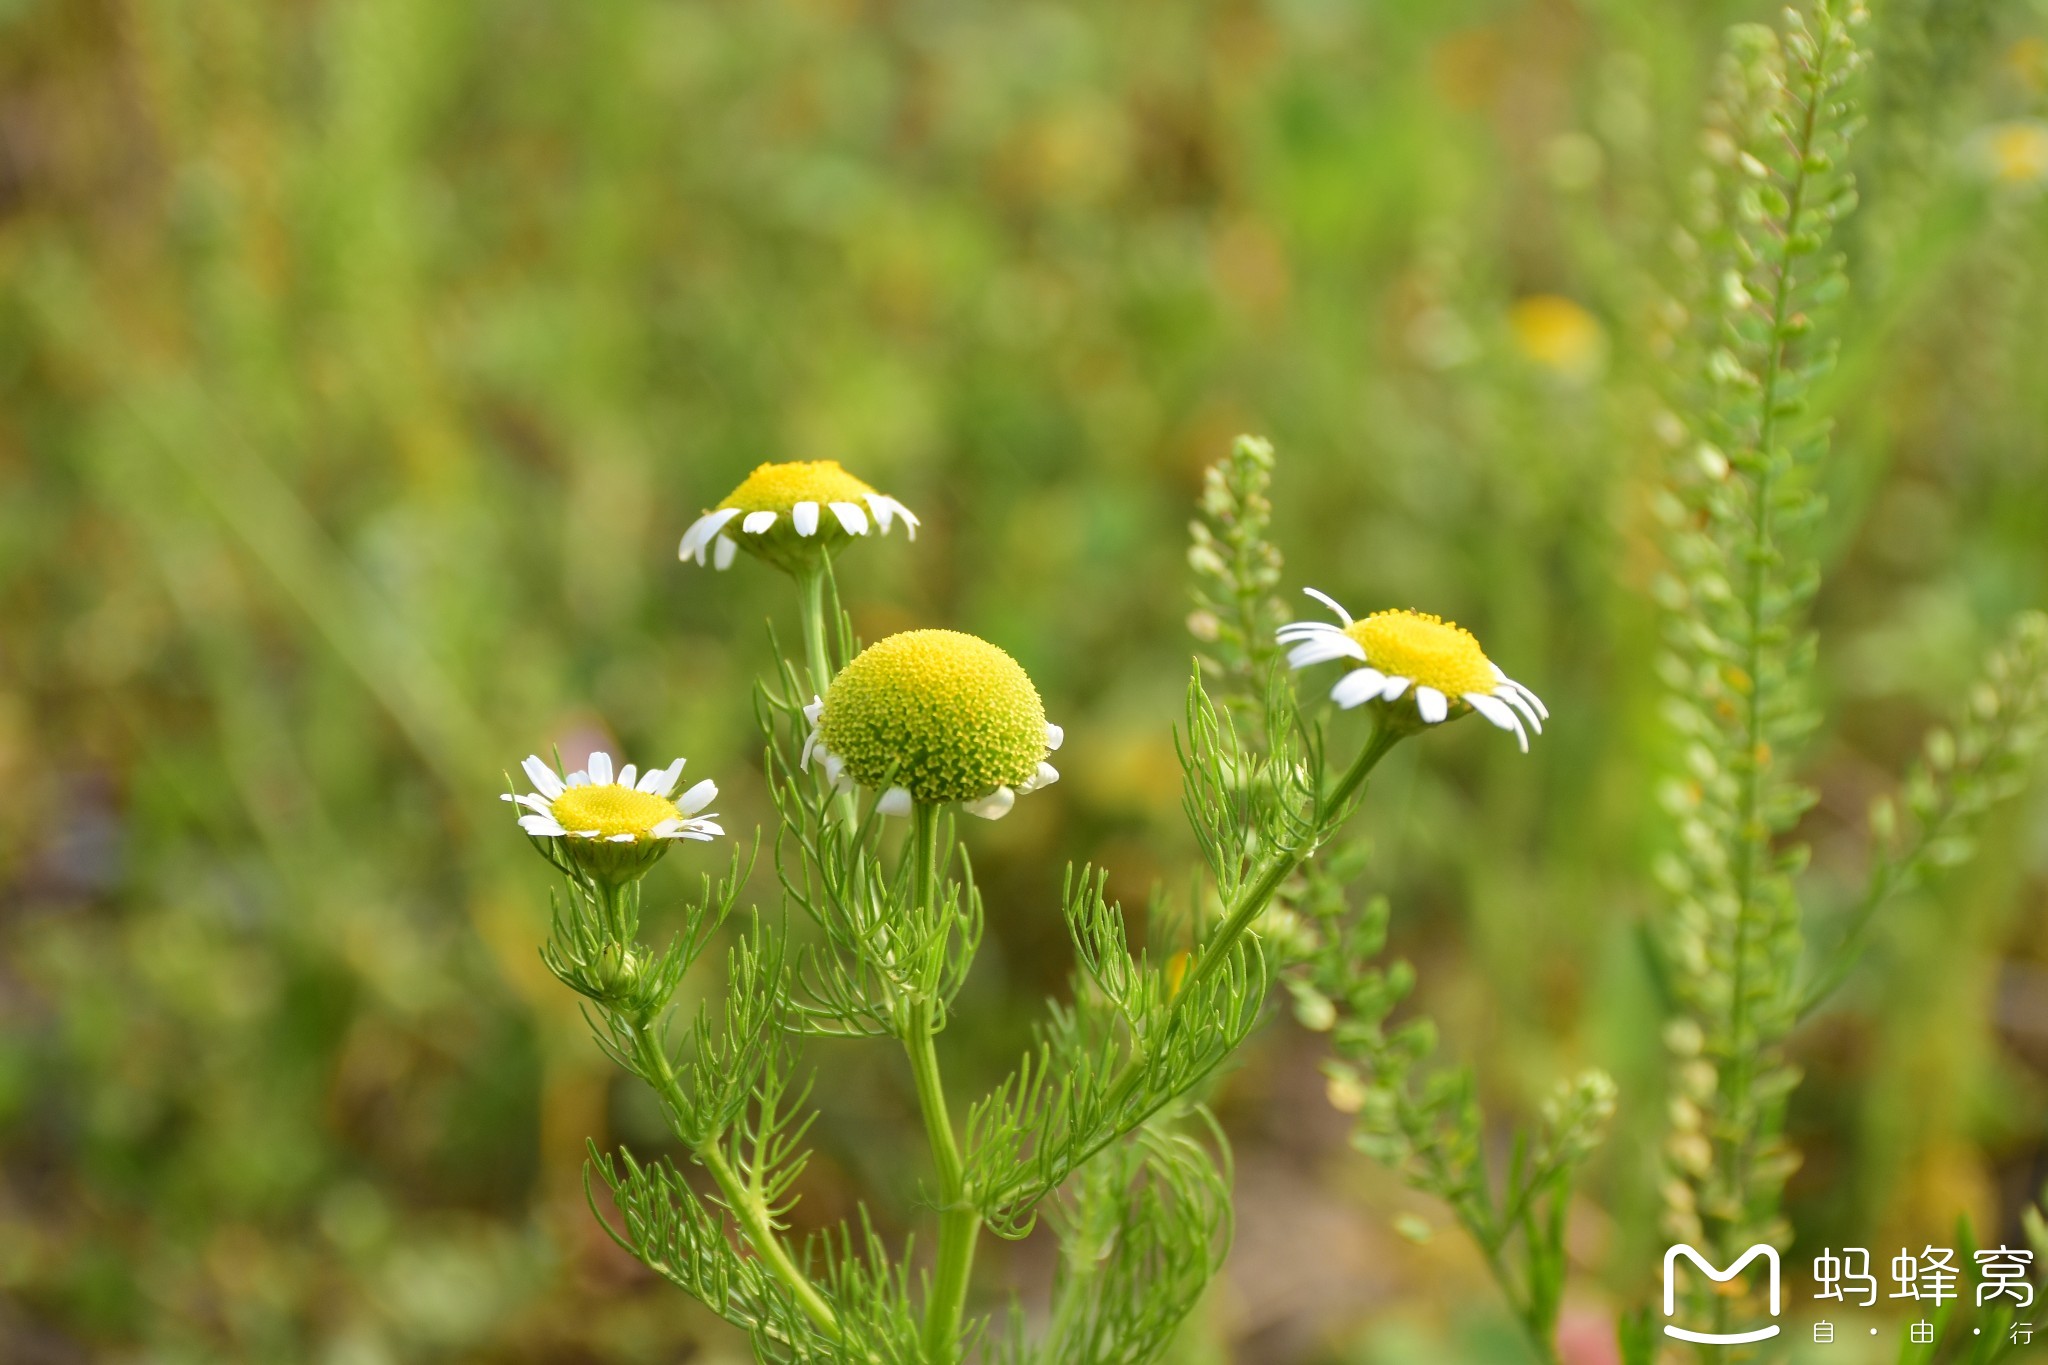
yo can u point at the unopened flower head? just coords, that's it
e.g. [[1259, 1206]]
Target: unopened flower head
[[614, 825], [1420, 669], [931, 717], [791, 514]]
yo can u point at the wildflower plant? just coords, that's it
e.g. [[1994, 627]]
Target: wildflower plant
[[1739, 509], [870, 754], [1408, 672]]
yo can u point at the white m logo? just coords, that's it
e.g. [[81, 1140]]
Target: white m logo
[[1770, 1255]]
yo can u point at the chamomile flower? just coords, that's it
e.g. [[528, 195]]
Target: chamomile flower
[[614, 825], [789, 514], [1420, 668], [931, 717]]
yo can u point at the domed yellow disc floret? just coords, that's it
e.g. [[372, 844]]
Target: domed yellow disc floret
[[946, 716], [603, 812], [1428, 649], [780, 487]]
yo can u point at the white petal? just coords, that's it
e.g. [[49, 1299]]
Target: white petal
[[628, 775], [662, 781], [1302, 630], [1055, 735], [834, 765], [815, 709], [812, 748], [600, 768], [1324, 648], [1432, 704], [579, 778], [1497, 711], [545, 779], [722, 557], [540, 826], [1516, 700], [1045, 776], [1331, 603], [910, 521], [994, 806], [805, 517], [619, 838], [757, 522], [1394, 688], [895, 801], [702, 530], [884, 508], [539, 805], [697, 797], [1358, 686], [851, 517], [1533, 699], [667, 829]]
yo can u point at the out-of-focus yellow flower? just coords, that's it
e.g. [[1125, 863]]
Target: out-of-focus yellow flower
[[2014, 153], [2028, 59], [1559, 335]]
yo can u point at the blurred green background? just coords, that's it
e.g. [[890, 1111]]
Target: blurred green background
[[362, 361]]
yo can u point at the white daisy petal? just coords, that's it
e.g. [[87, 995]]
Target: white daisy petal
[[851, 517], [910, 521], [539, 805], [579, 778], [757, 522], [1516, 700], [697, 797], [994, 806], [815, 709], [662, 781], [1045, 776], [667, 829], [540, 826], [812, 748], [1394, 688], [628, 775], [1305, 630], [545, 780], [600, 768], [1358, 686], [884, 508], [1491, 707], [727, 549], [1432, 705], [620, 838], [1331, 603], [804, 516], [895, 801], [1323, 648], [834, 765], [1530, 697], [1055, 735], [701, 532]]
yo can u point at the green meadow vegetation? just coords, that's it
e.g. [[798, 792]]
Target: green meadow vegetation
[[363, 364]]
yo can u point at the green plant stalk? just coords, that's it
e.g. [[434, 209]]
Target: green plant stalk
[[1755, 841], [811, 607], [1281, 863], [959, 1220], [1279, 866], [745, 1202]]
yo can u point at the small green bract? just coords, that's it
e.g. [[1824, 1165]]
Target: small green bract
[[945, 715]]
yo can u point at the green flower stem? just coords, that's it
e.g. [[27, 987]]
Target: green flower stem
[[959, 1220], [811, 607], [1281, 863], [746, 1202]]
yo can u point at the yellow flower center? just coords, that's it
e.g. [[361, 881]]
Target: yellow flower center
[[611, 809], [1429, 650], [779, 487], [945, 715]]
